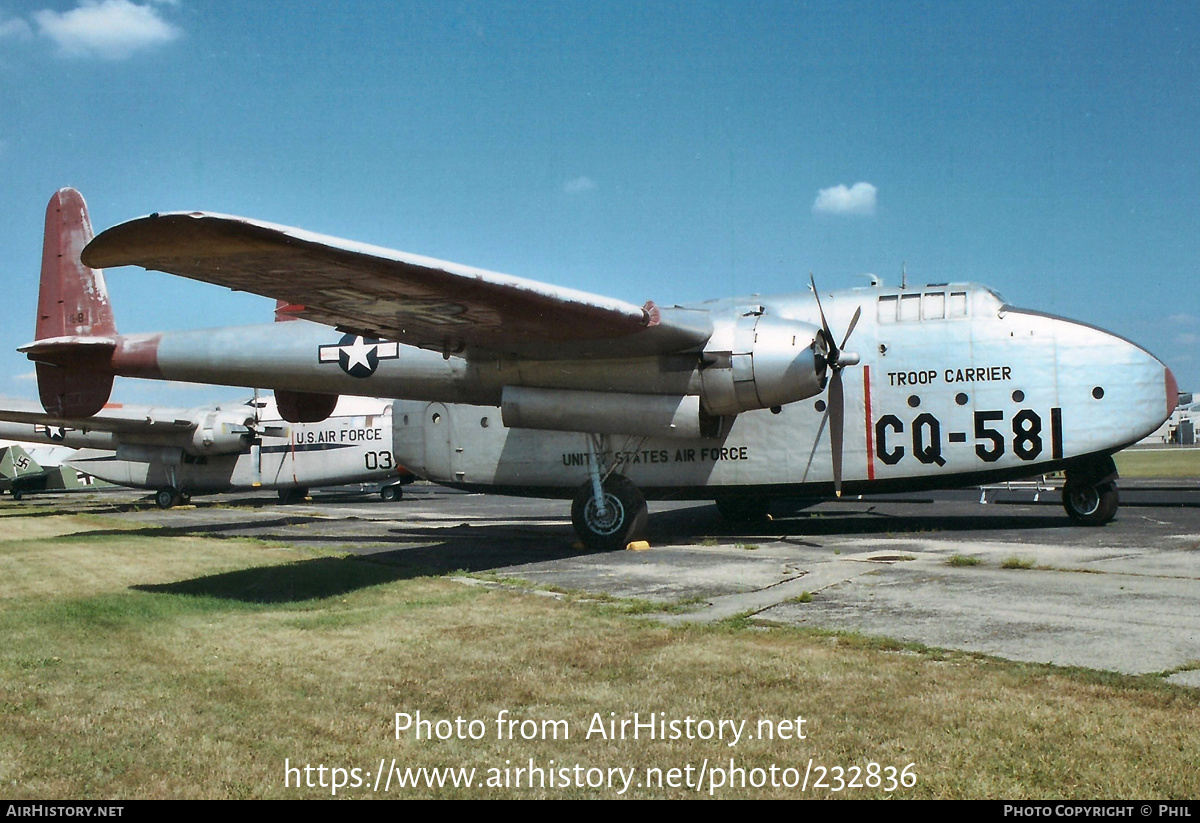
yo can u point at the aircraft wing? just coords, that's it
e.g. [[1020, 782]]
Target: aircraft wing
[[123, 420], [381, 293]]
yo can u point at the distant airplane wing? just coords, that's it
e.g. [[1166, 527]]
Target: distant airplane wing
[[127, 420], [388, 294]]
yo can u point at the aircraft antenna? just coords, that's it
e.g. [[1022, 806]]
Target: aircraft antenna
[[903, 275]]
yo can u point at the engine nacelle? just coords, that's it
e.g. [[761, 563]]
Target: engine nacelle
[[761, 362], [221, 432], [646, 415], [304, 407]]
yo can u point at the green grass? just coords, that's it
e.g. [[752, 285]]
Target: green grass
[[1164, 462], [963, 560], [136, 665], [1015, 562]]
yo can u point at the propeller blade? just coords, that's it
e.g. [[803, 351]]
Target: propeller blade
[[835, 412], [853, 323], [816, 442], [837, 417], [833, 351]]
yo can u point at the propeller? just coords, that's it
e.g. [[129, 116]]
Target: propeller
[[836, 359]]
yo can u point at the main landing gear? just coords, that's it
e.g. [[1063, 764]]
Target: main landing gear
[[614, 519], [608, 513], [169, 496], [1090, 492], [291, 496]]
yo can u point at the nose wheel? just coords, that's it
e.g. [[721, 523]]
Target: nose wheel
[[1090, 492], [1090, 505]]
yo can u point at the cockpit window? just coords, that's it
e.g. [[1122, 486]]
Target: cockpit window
[[929, 305], [887, 308]]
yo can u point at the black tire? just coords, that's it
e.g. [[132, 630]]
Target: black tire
[[291, 496], [185, 498], [624, 519], [1090, 505], [391, 493], [166, 497], [744, 509], [17, 494]]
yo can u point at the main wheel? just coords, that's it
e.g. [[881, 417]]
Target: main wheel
[[744, 509], [1090, 505], [290, 496], [17, 494], [622, 521], [392, 492], [166, 497]]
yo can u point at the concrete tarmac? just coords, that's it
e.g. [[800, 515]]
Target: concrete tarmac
[[1009, 577]]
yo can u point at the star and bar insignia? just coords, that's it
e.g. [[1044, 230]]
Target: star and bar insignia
[[357, 355]]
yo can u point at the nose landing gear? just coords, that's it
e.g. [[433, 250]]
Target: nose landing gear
[[1090, 493]]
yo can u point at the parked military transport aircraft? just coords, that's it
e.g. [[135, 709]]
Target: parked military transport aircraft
[[181, 452], [514, 386]]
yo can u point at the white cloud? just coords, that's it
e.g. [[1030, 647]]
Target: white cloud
[[1182, 319], [859, 199], [15, 28], [112, 29], [29, 375], [1186, 339], [579, 184]]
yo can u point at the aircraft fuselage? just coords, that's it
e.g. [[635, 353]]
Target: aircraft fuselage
[[952, 384]]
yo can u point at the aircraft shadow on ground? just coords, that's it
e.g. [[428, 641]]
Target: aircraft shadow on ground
[[314, 579], [683, 525], [481, 547], [335, 576]]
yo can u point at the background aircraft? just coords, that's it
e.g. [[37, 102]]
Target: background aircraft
[[25, 468], [181, 452], [520, 387]]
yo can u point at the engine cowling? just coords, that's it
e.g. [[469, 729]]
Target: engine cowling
[[221, 432], [760, 362]]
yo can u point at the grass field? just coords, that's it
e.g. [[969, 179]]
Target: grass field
[[139, 665], [1159, 462]]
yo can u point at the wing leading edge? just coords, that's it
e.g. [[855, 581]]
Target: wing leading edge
[[381, 293]]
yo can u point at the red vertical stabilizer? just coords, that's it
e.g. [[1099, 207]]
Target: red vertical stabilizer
[[74, 313]]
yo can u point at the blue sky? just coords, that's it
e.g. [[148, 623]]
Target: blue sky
[[665, 151]]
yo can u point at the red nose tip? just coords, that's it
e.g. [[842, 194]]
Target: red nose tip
[[1172, 392]]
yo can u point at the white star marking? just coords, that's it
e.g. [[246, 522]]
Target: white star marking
[[357, 352]]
